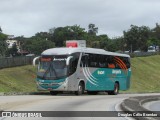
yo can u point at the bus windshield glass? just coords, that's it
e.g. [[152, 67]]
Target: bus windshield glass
[[52, 67]]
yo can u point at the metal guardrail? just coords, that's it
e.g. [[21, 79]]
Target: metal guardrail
[[16, 61]]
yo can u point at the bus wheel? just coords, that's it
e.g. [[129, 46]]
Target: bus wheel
[[53, 92], [92, 92], [80, 89], [115, 91]]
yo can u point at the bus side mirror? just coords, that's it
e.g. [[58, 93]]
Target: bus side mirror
[[68, 60], [34, 60]]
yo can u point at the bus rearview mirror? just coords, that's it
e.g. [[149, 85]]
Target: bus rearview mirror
[[68, 60], [35, 59]]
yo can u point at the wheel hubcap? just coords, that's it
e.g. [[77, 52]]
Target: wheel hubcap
[[116, 89], [80, 88]]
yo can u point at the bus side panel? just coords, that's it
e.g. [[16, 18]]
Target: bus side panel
[[73, 81], [103, 79], [99, 80], [128, 79], [124, 79]]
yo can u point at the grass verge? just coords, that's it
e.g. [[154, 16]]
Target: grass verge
[[18, 79], [145, 74]]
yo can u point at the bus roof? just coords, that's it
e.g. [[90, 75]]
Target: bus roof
[[64, 51]]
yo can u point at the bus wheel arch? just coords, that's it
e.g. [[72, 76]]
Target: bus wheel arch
[[81, 88], [116, 89]]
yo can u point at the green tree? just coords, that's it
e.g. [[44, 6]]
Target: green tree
[[117, 44], [12, 51], [103, 41], [136, 38], [92, 30], [100, 41], [3, 45], [111, 46], [154, 36], [61, 34], [37, 45]]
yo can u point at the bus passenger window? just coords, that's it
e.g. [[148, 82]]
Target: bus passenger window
[[111, 62], [102, 65]]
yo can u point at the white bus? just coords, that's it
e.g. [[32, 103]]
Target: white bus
[[83, 69]]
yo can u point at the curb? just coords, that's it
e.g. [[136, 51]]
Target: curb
[[135, 104]]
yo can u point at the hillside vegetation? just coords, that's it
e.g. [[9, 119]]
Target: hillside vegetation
[[145, 76], [18, 79]]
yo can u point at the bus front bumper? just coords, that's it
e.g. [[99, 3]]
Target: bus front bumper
[[52, 85]]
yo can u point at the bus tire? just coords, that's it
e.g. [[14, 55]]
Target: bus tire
[[92, 92], [80, 90], [53, 92], [115, 91]]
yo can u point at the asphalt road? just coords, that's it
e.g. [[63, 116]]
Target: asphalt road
[[65, 102], [152, 106]]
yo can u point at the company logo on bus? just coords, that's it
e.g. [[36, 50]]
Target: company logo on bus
[[59, 59], [116, 71]]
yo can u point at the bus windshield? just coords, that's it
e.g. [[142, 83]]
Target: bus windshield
[[51, 68]]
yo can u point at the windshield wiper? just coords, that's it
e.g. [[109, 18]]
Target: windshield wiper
[[54, 71], [48, 69]]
